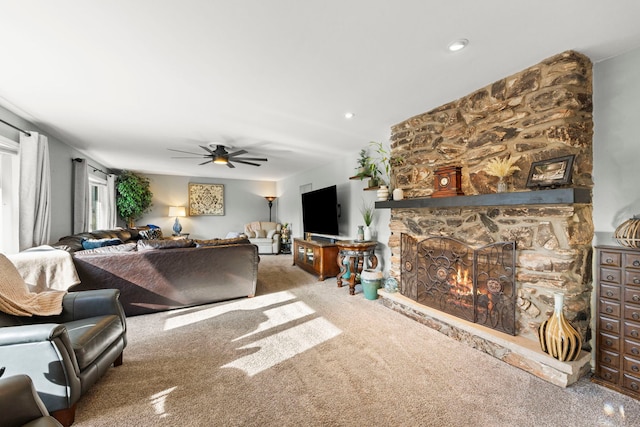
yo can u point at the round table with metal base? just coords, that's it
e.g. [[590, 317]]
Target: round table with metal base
[[353, 257]]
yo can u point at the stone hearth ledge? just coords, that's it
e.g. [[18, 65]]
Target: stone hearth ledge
[[514, 350]]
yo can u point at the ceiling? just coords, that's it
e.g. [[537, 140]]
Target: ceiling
[[125, 81]]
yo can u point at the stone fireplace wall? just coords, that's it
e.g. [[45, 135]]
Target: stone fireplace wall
[[540, 113]]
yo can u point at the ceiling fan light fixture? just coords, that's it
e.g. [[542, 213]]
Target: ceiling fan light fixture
[[220, 160]]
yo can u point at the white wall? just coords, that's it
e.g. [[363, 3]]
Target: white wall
[[350, 197], [616, 143], [244, 202]]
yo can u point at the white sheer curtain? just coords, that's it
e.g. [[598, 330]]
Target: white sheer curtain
[[81, 196], [35, 191], [112, 214]]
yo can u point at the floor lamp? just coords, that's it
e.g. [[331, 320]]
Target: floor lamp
[[270, 199]]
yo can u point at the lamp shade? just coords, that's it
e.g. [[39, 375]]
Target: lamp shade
[[270, 198], [177, 211]]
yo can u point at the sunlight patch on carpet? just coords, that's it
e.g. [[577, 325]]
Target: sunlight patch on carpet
[[281, 315], [191, 317], [158, 401], [284, 345]]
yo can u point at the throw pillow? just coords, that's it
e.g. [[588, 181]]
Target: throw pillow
[[270, 233], [151, 234], [125, 247], [251, 234], [100, 243], [261, 233]]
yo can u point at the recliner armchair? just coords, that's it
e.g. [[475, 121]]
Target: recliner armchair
[[265, 235], [65, 354], [20, 405]]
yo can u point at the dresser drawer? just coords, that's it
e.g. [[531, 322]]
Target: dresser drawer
[[632, 366], [610, 308], [632, 383], [631, 347], [611, 326], [632, 261], [610, 358], [631, 330], [632, 312], [610, 291], [632, 277], [632, 294], [609, 342], [609, 374], [610, 275], [610, 258]]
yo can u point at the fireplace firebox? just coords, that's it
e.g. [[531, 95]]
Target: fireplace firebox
[[477, 285]]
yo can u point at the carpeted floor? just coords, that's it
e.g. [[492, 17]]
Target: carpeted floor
[[306, 353]]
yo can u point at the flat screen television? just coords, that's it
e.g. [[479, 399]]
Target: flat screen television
[[320, 211]]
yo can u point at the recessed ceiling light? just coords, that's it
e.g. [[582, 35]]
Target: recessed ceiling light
[[457, 45], [348, 115]]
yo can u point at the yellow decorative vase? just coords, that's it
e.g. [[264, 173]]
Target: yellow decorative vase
[[557, 337]]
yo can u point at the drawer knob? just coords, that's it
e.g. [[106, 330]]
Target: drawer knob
[[635, 368], [609, 293], [610, 277], [634, 386], [608, 326], [635, 350], [636, 280], [636, 263], [635, 315], [607, 376], [607, 359], [609, 310], [609, 260], [636, 297], [634, 333], [608, 342]]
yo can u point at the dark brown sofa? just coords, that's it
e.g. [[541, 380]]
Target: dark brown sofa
[[159, 275]]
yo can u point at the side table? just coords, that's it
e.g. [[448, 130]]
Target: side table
[[285, 246], [353, 257]]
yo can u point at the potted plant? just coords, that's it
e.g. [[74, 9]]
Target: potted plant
[[367, 211], [133, 196], [363, 163], [386, 161], [501, 168]]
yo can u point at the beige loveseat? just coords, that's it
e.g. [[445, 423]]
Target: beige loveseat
[[265, 235]]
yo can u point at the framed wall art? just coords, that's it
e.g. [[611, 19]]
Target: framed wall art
[[206, 199], [551, 172]]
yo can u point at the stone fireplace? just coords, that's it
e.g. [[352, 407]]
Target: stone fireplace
[[540, 113]]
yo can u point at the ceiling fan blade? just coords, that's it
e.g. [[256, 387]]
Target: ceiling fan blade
[[229, 165], [246, 163], [204, 163], [199, 157], [204, 147], [188, 152], [256, 159], [238, 153]]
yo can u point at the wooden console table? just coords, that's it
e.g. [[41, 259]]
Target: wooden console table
[[316, 257], [353, 256]]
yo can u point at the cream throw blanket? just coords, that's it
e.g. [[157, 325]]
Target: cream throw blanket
[[45, 268], [16, 299]]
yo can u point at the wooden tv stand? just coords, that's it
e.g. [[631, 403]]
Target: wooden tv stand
[[317, 258]]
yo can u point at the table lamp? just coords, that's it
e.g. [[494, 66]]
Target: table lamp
[[177, 211]]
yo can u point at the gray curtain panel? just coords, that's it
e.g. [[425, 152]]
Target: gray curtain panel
[[81, 196]]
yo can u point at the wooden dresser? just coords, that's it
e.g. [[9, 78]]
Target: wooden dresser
[[618, 319]]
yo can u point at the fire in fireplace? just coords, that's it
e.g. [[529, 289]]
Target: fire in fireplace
[[477, 285]]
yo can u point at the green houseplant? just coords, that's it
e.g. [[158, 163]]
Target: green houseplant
[[385, 161], [133, 196]]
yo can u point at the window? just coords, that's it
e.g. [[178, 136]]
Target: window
[[98, 194], [9, 200]]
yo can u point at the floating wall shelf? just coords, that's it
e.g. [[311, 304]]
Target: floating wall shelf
[[559, 196]]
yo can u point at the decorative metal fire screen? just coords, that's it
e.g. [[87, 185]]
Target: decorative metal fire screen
[[477, 285]]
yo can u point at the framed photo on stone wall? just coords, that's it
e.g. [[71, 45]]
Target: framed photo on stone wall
[[206, 199], [551, 172]]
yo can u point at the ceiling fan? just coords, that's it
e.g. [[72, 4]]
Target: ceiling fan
[[222, 157]]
